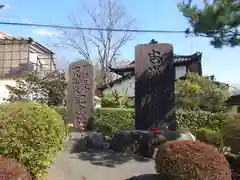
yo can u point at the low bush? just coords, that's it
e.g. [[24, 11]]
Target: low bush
[[31, 133], [111, 120], [210, 137], [114, 100], [194, 120], [231, 134], [12, 170], [191, 160]]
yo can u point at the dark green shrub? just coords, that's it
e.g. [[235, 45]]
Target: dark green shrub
[[109, 101], [210, 137], [12, 170], [31, 133], [191, 160], [231, 134], [195, 120], [111, 120]]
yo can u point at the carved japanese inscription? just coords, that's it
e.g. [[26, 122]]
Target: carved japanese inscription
[[157, 63], [80, 95], [154, 85]]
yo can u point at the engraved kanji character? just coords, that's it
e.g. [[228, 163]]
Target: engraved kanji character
[[77, 68], [75, 81], [86, 81], [83, 99], [150, 72], [155, 57], [80, 113], [84, 74], [76, 74]]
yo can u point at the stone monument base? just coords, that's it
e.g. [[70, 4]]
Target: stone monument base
[[138, 142]]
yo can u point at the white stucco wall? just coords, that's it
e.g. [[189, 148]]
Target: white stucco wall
[[180, 71], [3, 90], [129, 84]]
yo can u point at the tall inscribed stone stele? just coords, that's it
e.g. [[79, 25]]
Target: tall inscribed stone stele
[[154, 86], [80, 93]]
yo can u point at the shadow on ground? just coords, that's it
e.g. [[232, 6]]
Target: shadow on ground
[[144, 177], [100, 157]]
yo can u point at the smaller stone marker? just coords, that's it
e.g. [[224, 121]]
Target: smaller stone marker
[[80, 95]]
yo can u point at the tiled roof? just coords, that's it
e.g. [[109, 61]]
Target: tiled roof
[[177, 59], [233, 100], [5, 36]]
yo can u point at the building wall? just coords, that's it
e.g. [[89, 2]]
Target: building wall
[[12, 54], [14, 57], [129, 84], [44, 59]]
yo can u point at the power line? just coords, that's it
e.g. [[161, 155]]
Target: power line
[[91, 29]]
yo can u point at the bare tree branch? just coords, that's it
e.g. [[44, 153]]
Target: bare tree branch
[[108, 14]]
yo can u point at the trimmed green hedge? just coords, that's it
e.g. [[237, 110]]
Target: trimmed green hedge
[[31, 133], [195, 120], [111, 120]]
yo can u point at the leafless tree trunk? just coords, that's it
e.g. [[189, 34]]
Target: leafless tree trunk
[[106, 45]]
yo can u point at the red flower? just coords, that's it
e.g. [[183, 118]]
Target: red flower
[[154, 129], [157, 131]]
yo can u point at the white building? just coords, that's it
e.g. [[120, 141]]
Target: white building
[[19, 55]]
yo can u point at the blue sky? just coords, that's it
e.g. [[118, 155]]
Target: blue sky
[[153, 14]]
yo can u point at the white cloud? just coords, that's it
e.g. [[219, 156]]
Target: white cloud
[[46, 32]]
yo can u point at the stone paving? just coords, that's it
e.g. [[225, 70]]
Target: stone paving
[[75, 164]]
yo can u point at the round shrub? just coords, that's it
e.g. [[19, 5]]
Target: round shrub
[[191, 160], [12, 170], [31, 133], [231, 134]]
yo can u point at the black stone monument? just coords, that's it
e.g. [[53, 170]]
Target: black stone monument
[[154, 86]]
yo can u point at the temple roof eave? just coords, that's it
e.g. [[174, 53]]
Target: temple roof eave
[[122, 68], [178, 60]]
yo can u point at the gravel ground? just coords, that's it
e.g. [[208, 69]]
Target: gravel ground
[[75, 164]]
